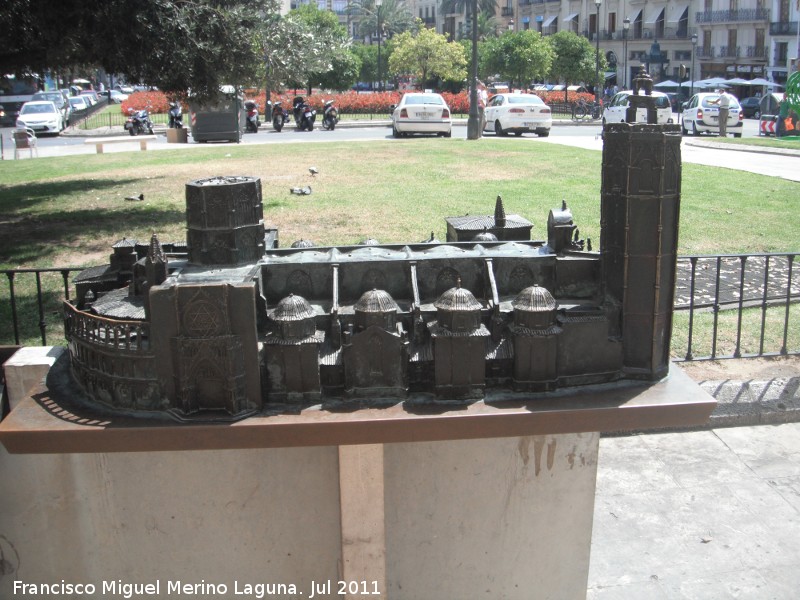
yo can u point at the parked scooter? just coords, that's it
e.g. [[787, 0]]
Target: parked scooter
[[280, 116], [175, 115], [330, 116], [304, 115], [252, 123], [138, 122]]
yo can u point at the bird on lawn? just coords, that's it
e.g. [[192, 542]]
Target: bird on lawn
[[138, 198], [313, 170]]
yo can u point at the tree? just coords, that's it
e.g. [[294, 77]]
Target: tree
[[176, 46], [519, 57], [574, 59], [325, 61], [427, 55], [393, 16], [486, 7]]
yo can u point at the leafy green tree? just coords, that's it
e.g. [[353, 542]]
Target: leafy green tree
[[519, 57], [427, 55], [176, 46], [574, 59], [327, 60]]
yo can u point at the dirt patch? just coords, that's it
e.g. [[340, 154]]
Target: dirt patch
[[744, 369]]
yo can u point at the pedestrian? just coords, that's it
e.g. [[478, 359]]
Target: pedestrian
[[724, 103], [483, 99]]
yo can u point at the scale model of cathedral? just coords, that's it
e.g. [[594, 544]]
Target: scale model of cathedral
[[237, 324]]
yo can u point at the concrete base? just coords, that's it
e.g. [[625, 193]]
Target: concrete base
[[500, 518], [177, 136], [27, 369]]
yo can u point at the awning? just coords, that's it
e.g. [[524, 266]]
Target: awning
[[676, 12], [549, 21], [654, 16], [634, 15], [571, 17]]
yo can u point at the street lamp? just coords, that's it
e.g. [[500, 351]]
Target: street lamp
[[694, 51], [597, 3], [626, 25], [378, 4]]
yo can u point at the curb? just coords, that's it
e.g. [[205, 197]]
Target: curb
[[742, 147], [161, 130]]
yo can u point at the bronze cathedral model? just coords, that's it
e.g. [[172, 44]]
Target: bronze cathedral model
[[236, 325]]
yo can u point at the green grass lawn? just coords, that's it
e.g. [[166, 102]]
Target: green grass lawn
[[68, 211]]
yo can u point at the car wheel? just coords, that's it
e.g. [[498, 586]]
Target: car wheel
[[498, 129], [518, 133], [694, 128], [449, 134], [737, 135], [395, 133], [683, 128], [757, 114], [544, 133]]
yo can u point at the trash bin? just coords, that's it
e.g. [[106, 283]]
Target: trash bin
[[221, 119]]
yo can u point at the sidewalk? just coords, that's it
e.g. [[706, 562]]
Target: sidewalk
[[702, 515]]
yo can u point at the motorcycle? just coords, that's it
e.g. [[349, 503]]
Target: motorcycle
[[330, 116], [252, 124], [138, 122], [279, 116], [175, 116], [304, 115]]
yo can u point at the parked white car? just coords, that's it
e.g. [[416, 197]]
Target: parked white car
[[701, 115], [78, 103], [615, 109], [421, 112], [518, 113], [42, 116]]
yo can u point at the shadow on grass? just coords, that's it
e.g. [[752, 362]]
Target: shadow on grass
[[27, 241], [16, 198]]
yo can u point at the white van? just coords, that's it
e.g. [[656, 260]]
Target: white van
[[614, 111]]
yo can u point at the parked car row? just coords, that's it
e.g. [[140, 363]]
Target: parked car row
[[428, 112]]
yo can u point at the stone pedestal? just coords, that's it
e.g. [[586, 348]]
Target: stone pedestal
[[27, 369], [490, 499]]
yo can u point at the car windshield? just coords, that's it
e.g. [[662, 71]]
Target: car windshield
[[661, 101], [524, 99], [35, 109], [54, 97], [711, 101], [422, 99]]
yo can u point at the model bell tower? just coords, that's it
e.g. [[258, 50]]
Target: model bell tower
[[640, 208]]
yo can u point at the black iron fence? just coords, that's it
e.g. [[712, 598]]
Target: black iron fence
[[736, 306], [726, 306]]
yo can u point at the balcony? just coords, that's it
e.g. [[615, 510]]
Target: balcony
[[787, 28], [757, 52], [729, 52], [507, 11], [706, 53], [732, 16]]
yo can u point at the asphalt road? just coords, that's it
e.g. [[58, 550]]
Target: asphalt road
[[694, 150]]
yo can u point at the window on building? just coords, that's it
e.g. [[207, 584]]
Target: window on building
[[612, 22]]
